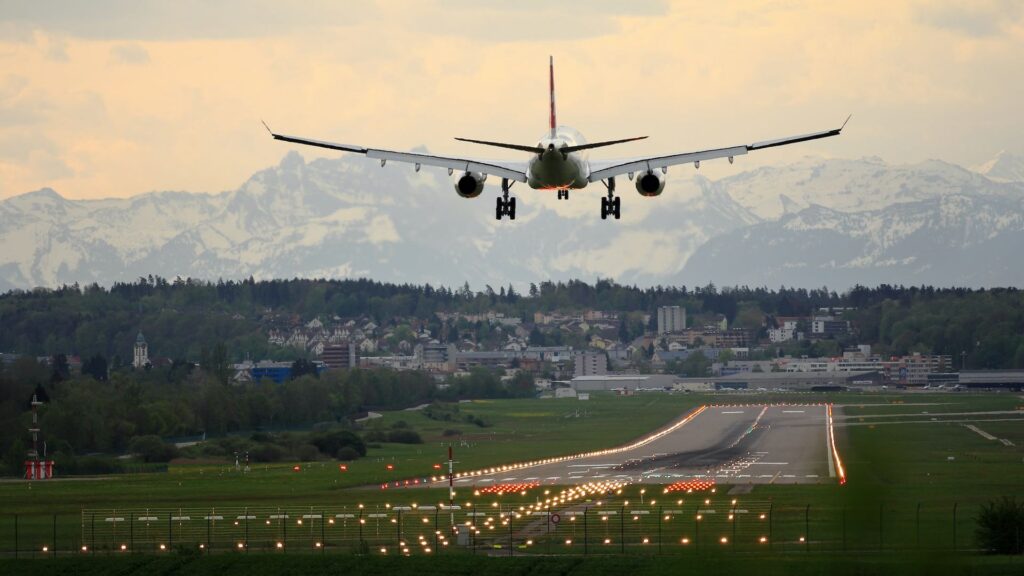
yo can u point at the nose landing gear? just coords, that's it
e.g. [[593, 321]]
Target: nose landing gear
[[611, 204], [563, 194]]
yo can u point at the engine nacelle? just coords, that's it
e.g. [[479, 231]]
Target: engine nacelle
[[650, 183], [470, 184]]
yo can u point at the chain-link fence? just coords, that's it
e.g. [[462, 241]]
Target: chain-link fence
[[669, 526]]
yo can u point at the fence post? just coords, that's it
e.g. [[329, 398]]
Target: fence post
[[771, 522], [131, 532], [399, 530], [881, 525], [323, 541], [622, 529], [844, 528], [511, 548], [735, 520], [92, 535], [209, 515], [54, 536], [954, 525], [361, 545], [15, 536], [585, 539], [547, 531], [917, 525], [659, 529], [436, 530], [807, 528], [696, 530], [170, 531], [246, 529]]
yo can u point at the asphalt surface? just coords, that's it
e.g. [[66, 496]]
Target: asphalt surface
[[754, 444]]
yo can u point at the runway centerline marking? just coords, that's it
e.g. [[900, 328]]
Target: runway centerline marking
[[732, 412]]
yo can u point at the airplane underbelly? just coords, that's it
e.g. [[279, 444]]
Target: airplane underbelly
[[553, 174]]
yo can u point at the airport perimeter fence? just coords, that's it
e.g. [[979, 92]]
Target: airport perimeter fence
[[698, 525]]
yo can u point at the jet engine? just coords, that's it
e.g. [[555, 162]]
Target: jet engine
[[470, 184], [650, 183]]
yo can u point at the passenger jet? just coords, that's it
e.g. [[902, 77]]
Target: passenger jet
[[557, 162]]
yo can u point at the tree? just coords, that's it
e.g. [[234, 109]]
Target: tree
[[303, 367], [1000, 527], [96, 367], [61, 369]]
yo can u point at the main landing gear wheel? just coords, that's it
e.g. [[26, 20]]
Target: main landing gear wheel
[[563, 194], [611, 205], [505, 206]]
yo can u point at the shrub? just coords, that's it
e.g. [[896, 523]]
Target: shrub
[[267, 453], [152, 449], [448, 432], [405, 437], [347, 454], [332, 442], [307, 453], [1001, 526]]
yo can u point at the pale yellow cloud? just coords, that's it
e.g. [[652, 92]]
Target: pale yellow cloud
[[185, 114]]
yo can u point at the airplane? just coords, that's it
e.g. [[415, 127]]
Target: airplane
[[557, 162]]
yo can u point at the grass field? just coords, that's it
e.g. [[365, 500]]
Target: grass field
[[904, 478]]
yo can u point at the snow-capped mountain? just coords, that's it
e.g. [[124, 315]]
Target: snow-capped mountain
[[347, 217], [815, 222], [1005, 167], [954, 240], [849, 185]]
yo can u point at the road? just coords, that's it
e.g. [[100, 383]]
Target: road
[[754, 444]]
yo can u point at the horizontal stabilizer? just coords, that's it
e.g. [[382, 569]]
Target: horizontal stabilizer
[[568, 149], [521, 148]]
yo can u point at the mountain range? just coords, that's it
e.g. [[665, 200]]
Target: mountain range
[[815, 222]]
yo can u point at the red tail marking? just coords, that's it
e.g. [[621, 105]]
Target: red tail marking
[[551, 84]]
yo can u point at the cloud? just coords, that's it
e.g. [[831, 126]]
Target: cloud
[[129, 54], [976, 18]]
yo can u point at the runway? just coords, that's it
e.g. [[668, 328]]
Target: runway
[[748, 444]]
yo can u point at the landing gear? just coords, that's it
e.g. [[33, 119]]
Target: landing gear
[[563, 194], [505, 206], [611, 204]]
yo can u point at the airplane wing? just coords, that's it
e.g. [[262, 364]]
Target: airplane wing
[[645, 164], [510, 170]]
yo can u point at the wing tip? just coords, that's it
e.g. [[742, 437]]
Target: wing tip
[[844, 122], [269, 131]]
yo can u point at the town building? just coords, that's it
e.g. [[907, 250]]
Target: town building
[[671, 319], [340, 356], [829, 327], [591, 364]]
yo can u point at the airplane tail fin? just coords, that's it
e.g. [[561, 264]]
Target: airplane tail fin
[[551, 85]]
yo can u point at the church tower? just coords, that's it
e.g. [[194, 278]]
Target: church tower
[[141, 356]]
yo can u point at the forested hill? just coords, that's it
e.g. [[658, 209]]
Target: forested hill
[[188, 317]]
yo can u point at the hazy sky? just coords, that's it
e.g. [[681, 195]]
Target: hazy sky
[[120, 97]]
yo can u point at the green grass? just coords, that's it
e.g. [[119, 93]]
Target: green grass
[[708, 565], [892, 468]]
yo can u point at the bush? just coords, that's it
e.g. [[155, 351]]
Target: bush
[[152, 449], [448, 432], [1001, 527], [267, 453], [307, 453], [332, 442], [347, 454], [405, 437], [400, 424]]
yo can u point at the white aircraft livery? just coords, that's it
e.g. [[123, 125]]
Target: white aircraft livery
[[557, 162]]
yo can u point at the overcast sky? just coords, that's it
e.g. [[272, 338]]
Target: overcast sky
[[119, 97]]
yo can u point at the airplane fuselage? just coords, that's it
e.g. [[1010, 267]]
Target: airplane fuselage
[[554, 170]]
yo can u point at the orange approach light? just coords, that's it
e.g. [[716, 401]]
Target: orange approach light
[[343, 467], [437, 466], [297, 468], [390, 466]]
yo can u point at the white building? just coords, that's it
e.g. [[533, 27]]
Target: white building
[[671, 319], [786, 333], [140, 357]]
